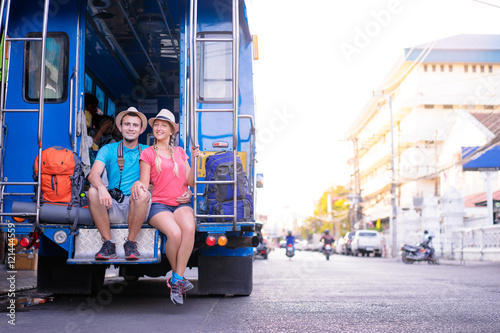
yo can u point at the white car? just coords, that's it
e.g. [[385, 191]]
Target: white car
[[366, 242], [339, 245]]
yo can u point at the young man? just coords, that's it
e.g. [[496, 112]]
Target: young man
[[116, 205]]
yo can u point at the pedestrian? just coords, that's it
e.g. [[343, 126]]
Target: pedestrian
[[166, 167]]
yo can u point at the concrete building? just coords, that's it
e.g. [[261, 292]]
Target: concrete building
[[408, 141]]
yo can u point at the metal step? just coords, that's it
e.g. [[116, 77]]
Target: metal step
[[112, 261], [89, 241]]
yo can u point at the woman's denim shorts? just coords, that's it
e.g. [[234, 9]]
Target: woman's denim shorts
[[157, 207]]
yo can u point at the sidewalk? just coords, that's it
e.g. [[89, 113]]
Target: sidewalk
[[16, 280]]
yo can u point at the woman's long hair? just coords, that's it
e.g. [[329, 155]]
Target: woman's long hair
[[171, 148]]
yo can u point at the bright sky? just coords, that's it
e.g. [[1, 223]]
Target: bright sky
[[320, 61]]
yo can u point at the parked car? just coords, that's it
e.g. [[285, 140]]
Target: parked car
[[338, 245], [300, 244], [261, 250], [366, 242], [347, 243]]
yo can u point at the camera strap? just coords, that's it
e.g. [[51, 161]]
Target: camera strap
[[121, 161]]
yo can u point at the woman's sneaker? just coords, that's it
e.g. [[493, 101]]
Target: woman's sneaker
[[187, 285], [107, 251], [177, 291]]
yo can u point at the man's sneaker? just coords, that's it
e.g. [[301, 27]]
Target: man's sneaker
[[187, 285], [131, 252], [177, 291], [107, 251]]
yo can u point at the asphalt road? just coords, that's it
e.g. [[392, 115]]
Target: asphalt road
[[304, 294]]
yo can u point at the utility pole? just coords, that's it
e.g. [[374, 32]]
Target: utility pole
[[436, 161], [394, 213], [393, 216]]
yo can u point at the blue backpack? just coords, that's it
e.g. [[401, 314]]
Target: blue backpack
[[219, 197]]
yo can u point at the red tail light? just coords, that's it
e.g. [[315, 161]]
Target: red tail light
[[289, 245], [25, 242], [210, 240]]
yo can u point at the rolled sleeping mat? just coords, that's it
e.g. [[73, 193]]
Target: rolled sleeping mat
[[53, 213]]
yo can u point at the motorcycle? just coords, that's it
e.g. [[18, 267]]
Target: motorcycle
[[422, 252], [327, 251], [290, 252]]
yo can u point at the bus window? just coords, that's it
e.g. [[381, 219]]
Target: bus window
[[215, 68], [101, 97], [56, 68], [88, 84], [111, 107]]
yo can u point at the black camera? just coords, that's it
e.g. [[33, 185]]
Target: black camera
[[117, 194]]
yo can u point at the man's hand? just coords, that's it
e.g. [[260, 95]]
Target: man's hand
[[104, 197]]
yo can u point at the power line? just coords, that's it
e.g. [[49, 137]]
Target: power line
[[486, 3]]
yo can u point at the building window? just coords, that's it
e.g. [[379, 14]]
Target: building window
[[429, 106], [466, 68], [447, 106], [433, 68], [450, 68], [489, 107], [442, 68], [482, 68], [473, 68], [425, 68], [490, 69]]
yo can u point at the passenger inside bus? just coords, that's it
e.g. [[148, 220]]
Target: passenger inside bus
[[91, 111], [102, 131]]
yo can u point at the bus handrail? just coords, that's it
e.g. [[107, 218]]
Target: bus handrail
[[71, 88]]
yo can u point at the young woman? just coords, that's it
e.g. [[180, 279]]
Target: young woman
[[167, 169]]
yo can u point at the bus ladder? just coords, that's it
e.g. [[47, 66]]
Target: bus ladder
[[5, 6], [193, 54]]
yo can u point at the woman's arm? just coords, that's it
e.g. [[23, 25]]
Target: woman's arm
[[142, 185], [195, 152]]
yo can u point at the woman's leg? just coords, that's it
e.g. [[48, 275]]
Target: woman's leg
[[184, 219], [165, 223]]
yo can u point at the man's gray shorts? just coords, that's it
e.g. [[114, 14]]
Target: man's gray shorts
[[118, 213]]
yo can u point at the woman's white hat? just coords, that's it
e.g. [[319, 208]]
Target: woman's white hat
[[165, 115], [144, 120]]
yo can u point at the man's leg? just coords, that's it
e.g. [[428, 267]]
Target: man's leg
[[101, 220], [137, 214], [99, 214]]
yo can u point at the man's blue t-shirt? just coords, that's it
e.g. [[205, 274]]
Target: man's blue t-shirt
[[290, 240], [131, 171]]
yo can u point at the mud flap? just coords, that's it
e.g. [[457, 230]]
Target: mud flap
[[218, 275], [56, 276]]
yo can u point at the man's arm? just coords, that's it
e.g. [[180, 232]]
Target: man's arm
[[96, 181], [95, 174]]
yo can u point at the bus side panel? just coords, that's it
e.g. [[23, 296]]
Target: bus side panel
[[21, 134], [218, 127]]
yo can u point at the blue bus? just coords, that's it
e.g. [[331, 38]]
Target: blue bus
[[191, 57]]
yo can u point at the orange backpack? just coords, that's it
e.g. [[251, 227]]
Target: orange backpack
[[62, 176]]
